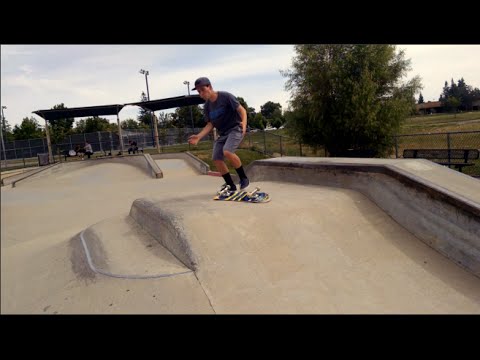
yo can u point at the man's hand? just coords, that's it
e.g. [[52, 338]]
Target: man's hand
[[194, 139]]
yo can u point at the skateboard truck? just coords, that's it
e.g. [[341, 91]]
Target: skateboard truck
[[254, 191], [225, 190]]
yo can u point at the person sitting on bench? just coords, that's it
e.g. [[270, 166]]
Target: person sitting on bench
[[133, 147], [88, 149]]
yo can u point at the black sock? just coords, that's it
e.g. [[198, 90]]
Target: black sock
[[241, 173], [228, 179]]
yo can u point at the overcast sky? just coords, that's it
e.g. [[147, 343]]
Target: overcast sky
[[37, 77]]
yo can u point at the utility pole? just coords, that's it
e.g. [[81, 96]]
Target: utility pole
[[191, 115]]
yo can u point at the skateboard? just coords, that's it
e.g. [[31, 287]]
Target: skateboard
[[242, 196]]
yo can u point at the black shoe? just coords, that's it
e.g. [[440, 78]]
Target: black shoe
[[244, 183]]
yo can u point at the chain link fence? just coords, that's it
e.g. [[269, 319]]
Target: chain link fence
[[21, 153], [25, 153], [276, 145], [444, 141]]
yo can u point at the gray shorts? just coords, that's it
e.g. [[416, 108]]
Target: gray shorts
[[229, 142]]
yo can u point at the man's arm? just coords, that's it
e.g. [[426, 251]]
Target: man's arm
[[243, 115], [194, 139]]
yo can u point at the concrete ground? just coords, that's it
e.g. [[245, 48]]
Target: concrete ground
[[312, 249]]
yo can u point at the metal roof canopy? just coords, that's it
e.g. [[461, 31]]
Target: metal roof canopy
[[168, 103], [54, 114], [152, 105]]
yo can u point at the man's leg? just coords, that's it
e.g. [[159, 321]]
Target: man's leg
[[218, 160], [233, 142]]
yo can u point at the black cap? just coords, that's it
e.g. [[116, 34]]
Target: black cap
[[201, 82]]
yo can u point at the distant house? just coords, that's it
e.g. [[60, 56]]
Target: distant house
[[476, 104], [430, 107]]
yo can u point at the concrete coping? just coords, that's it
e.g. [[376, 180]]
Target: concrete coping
[[438, 183]]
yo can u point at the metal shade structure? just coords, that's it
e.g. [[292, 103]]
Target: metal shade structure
[[168, 103], [55, 114], [152, 105]]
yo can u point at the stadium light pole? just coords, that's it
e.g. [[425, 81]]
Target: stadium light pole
[[146, 73], [191, 116], [2, 125]]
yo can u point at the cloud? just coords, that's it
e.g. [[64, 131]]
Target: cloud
[[40, 76]]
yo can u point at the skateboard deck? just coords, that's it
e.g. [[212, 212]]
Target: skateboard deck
[[254, 196]]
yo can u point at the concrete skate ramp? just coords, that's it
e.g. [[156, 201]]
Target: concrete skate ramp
[[118, 247], [315, 248], [312, 249], [175, 168], [197, 164], [92, 171], [439, 205]]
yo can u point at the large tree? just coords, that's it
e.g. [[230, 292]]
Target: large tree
[[250, 111], [349, 96], [183, 118], [7, 130], [144, 116], [420, 99], [460, 92], [130, 124], [60, 128], [28, 129], [271, 110], [95, 123]]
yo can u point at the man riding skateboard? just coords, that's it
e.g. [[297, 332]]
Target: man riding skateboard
[[223, 112]]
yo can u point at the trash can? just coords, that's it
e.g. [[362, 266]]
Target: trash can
[[43, 159]]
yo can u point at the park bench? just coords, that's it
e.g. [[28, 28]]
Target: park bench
[[446, 157]]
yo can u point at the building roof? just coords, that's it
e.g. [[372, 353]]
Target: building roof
[[429, 105]]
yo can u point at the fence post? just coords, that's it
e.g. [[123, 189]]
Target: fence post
[[396, 146], [281, 148], [264, 142], [448, 146], [100, 141]]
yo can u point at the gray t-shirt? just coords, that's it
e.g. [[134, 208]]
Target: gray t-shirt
[[223, 112]]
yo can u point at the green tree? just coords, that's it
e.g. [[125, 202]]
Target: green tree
[[250, 111], [453, 103], [130, 124], [95, 123], [258, 121], [163, 119], [183, 116], [420, 99], [60, 128], [7, 130], [349, 96], [276, 122], [270, 110], [462, 92], [28, 129], [144, 116], [79, 127]]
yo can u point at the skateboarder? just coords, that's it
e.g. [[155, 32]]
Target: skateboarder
[[223, 112]]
